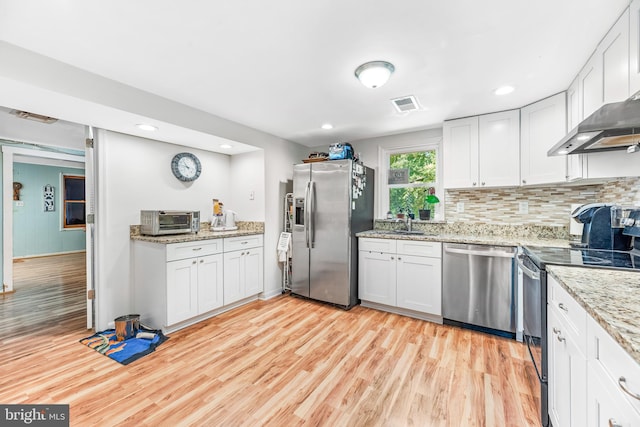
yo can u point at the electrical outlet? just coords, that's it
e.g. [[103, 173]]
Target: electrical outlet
[[523, 207], [252, 195], [19, 203], [460, 207]]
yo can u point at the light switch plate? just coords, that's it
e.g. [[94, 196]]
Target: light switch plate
[[460, 207], [523, 207], [19, 203]]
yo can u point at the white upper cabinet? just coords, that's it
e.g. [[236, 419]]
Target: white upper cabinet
[[574, 161], [590, 79], [499, 149], [460, 153], [614, 53], [634, 47], [573, 104], [613, 57], [482, 151], [542, 124], [605, 77]]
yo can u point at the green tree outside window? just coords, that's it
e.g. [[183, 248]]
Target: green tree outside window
[[411, 197]]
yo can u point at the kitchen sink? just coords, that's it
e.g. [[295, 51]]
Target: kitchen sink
[[417, 232]]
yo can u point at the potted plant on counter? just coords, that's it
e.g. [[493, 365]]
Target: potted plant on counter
[[429, 211]]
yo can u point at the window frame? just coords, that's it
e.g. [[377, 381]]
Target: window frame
[[384, 154], [63, 202]]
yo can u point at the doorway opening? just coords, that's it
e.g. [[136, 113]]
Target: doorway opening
[[44, 264]]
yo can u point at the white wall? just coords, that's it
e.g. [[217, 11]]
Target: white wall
[[133, 174], [247, 177]]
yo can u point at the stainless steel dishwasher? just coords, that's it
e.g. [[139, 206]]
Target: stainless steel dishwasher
[[478, 286]]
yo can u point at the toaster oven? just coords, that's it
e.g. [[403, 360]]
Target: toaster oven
[[158, 223]]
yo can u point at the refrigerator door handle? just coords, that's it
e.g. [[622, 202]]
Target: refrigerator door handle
[[312, 216], [306, 213]]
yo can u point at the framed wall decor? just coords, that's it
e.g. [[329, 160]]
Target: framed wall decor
[[49, 198]]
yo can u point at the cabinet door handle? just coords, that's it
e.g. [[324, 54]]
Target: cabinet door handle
[[562, 307], [243, 243], [561, 338], [399, 259], [556, 330], [193, 262], [392, 258], [482, 182], [474, 184], [524, 181], [196, 249], [622, 382], [201, 261]]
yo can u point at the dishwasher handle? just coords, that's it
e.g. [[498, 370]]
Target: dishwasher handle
[[487, 253], [526, 270]]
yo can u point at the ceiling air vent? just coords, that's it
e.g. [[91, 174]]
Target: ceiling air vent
[[33, 116], [406, 103]]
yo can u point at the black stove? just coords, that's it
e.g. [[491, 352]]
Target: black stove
[[595, 258]]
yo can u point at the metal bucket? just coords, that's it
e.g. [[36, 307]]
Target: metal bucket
[[127, 326]]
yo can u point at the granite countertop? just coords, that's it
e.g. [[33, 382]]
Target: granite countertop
[[245, 228], [615, 306], [499, 240]]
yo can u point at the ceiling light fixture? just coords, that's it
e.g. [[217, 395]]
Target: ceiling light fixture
[[327, 126], [504, 90], [375, 73], [226, 146], [146, 127]]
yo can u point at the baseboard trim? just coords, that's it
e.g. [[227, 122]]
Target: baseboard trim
[[270, 294], [51, 254]]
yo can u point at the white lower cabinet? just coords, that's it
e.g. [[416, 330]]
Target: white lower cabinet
[[377, 277], [401, 276], [611, 371], [178, 284], [243, 269], [567, 374], [587, 369], [194, 286]]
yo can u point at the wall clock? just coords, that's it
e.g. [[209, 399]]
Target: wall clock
[[186, 167]]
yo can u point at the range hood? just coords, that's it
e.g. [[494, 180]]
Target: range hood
[[614, 126]]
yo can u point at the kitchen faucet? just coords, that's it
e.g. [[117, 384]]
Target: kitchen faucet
[[408, 223]]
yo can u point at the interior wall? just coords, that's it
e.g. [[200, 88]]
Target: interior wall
[[36, 231], [247, 184], [135, 174]]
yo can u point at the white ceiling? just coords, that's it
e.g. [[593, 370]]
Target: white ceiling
[[286, 66]]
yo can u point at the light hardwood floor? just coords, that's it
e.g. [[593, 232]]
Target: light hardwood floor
[[282, 362]]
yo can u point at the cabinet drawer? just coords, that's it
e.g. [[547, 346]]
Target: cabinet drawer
[[242, 242], [377, 245], [412, 247], [569, 311], [608, 357], [184, 250]]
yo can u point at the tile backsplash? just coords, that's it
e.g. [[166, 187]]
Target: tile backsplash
[[549, 206]]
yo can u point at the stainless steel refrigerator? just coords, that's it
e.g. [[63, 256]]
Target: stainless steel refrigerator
[[332, 200]]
